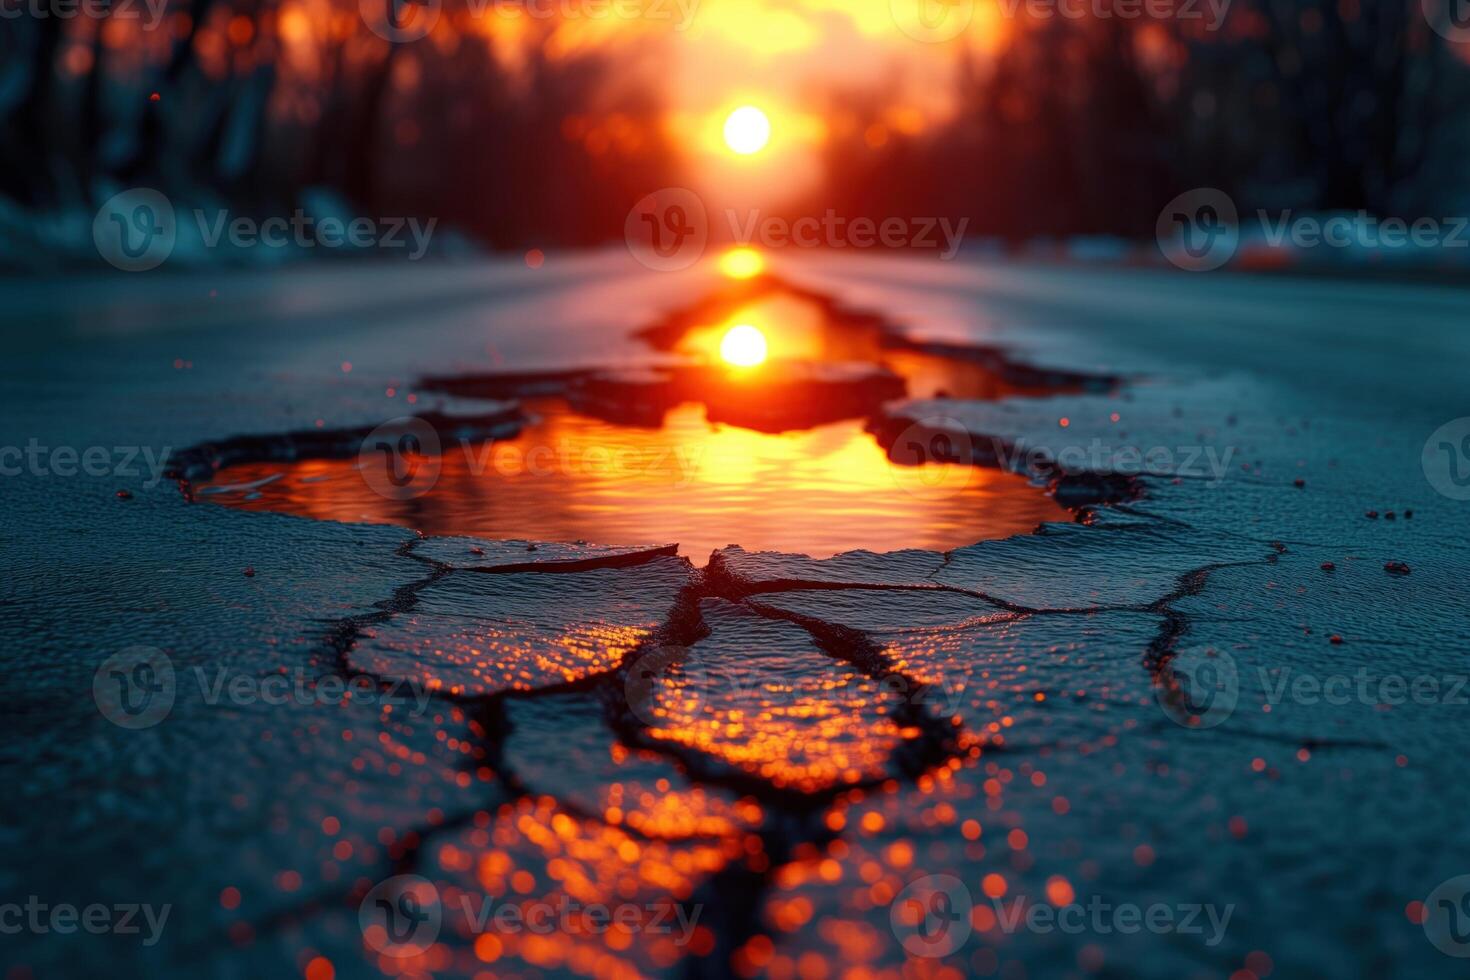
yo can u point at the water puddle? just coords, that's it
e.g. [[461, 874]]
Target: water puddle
[[571, 477], [755, 433]]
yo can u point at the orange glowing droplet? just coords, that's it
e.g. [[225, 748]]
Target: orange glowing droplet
[[488, 948], [1059, 891], [747, 130], [743, 346]]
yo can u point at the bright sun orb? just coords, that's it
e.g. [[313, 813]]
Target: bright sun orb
[[747, 130], [743, 346]]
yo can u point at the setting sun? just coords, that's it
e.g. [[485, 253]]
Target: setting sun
[[747, 130], [743, 346]]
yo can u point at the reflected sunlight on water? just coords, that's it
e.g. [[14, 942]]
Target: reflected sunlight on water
[[569, 477]]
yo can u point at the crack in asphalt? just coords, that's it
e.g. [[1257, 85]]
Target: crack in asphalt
[[791, 817]]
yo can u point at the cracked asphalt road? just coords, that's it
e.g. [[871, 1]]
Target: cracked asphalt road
[[1131, 711]]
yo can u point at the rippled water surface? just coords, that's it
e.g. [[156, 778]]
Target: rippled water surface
[[569, 477]]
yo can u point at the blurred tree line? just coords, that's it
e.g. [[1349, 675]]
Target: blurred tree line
[[255, 104], [1073, 127], [1089, 126]]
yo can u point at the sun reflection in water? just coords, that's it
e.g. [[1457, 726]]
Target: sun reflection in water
[[742, 263], [570, 477]]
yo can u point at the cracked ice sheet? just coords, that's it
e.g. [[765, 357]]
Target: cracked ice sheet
[[473, 634]]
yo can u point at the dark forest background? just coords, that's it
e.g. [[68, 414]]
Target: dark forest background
[[1078, 127]]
